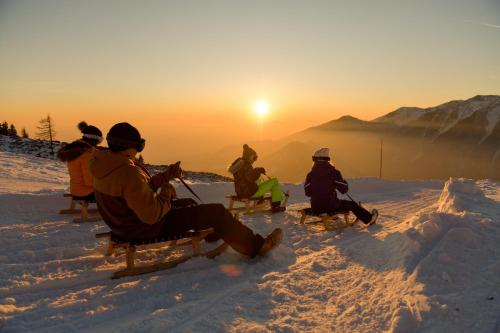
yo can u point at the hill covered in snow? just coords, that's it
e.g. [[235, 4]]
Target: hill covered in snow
[[41, 148], [431, 264]]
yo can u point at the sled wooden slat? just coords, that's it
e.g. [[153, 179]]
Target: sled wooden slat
[[252, 205], [248, 205], [84, 211], [130, 249], [332, 222]]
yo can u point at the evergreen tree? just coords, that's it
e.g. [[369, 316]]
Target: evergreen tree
[[12, 130], [24, 133], [4, 128], [46, 131]]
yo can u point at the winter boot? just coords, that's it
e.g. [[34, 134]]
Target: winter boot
[[374, 217], [271, 241], [276, 207]]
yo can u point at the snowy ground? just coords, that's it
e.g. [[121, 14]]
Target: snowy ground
[[432, 264]]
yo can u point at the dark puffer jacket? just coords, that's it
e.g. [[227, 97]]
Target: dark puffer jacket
[[321, 183], [245, 177]]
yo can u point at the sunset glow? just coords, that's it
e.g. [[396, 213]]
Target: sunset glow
[[261, 108], [235, 72]]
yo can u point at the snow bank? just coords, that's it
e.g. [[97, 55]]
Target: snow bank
[[452, 243], [460, 195]]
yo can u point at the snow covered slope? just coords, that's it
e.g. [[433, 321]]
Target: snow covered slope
[[432, 264]]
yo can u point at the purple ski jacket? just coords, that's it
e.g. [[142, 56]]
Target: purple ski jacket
[[320, 185]]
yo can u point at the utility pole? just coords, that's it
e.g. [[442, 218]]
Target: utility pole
[[381, 148]]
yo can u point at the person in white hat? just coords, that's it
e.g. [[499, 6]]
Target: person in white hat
[[321, 185]]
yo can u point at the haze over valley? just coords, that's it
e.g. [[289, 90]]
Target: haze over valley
[[459, 138]]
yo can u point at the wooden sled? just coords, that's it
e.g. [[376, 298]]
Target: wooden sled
[[252, 205], [129, 248], [330, 222], [84, 211]]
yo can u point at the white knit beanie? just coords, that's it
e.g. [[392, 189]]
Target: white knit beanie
[[322, 154]]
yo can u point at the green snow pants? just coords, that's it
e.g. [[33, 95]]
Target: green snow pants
[[271, 185]]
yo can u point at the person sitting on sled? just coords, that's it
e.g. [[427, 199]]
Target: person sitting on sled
[[137, 206], [77, 155], [247, 181], [321, 185]]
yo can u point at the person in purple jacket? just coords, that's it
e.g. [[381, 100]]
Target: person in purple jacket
[[321, 185]]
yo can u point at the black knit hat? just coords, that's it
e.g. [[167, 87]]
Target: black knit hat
[[91, 134], [123, 136]]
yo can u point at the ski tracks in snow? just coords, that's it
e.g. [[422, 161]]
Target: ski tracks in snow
[[54, 277]]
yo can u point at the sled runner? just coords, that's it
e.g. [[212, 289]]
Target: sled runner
[[192, 238], [84, 211], [329, 221], [252, 205], [249, 205]]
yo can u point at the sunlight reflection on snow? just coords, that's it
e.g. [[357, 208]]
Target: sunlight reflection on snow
[[230, 270]]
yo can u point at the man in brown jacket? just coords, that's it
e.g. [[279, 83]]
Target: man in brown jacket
[[137, 206]]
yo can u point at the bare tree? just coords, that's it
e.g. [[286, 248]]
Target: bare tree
[[24, 133], [46, 131]]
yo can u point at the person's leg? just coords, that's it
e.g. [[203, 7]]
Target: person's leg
[[233, 232], [271, 185], [90, 198], [360, 212]]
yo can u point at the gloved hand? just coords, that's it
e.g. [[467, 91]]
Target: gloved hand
[[169, 190], [173, 171], [261, 171]]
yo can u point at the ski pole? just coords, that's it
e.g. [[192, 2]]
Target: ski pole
[[190, 189], [350, 198], [345, 184]]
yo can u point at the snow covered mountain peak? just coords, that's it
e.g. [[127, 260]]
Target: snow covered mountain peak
[[450, 112]]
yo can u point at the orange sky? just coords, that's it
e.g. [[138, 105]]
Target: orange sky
[[188, 73]]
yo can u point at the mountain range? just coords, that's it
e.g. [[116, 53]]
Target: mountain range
[[460, 138]]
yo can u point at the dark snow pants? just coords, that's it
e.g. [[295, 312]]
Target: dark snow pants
[[233, 232], [360, 212]]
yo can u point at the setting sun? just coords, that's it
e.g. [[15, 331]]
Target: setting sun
[[261, 108]]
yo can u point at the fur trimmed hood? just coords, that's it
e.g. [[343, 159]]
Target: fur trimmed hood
[[73, 150]]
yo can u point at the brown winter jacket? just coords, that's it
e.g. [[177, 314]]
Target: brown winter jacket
[[77, 155], [126, 196], [245, 177]]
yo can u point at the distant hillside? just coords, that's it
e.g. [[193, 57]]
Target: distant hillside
[[38, 148], [41, 148], [457, 138]]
